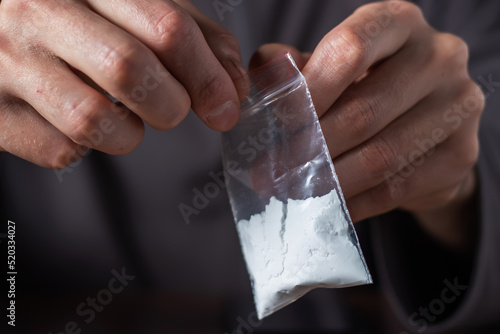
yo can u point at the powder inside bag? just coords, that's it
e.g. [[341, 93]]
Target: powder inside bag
[[292, 248]]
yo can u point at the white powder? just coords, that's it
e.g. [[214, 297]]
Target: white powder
[[293, 248]]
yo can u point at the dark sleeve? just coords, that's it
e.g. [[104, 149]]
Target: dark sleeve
[[430, 288]]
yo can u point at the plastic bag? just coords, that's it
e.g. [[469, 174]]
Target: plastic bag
[[294, 229]]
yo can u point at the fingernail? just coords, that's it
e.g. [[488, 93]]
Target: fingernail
[[240, 79], [224, 117], [241, 71]]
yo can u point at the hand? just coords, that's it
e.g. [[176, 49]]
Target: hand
[[400, 115], [58, 58]]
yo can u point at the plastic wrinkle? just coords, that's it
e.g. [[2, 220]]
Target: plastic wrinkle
[[291, 216]]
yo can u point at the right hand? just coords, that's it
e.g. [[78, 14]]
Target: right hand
[[159, 58]]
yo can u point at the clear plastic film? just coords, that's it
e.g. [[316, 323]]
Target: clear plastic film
[[294, 228]]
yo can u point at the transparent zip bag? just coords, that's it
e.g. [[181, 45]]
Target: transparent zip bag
[[292, 221]]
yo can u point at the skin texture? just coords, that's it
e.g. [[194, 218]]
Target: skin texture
[[156, 57], [400, 115], [398, 109]]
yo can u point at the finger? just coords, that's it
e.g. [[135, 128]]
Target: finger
[[401, 143], [463, 148], [26, 134], [351, 48], [225, 47], [368, 106], [172, 34], [408, 138], [437, 178], [113, 59], [84, 115], [417, 132]]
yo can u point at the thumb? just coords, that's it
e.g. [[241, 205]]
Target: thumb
[[224, 46]]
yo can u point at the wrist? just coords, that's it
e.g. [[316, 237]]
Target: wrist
[[455, 225]]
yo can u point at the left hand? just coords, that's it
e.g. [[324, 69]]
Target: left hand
[[399, 112]]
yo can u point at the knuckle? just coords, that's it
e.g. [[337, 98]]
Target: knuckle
[[172, 30], [456, 43], [359, 115], [387, 195], [350, 46], [119, 62], [445, 196], [454, 51], [19, 17], [369, 8], [410, 11], [403, 11], [378, 157], [82, 119], [229, 39], [5, 55], [467, 157], [473, 98], [19, 6], [213, 86], [229, 44]]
